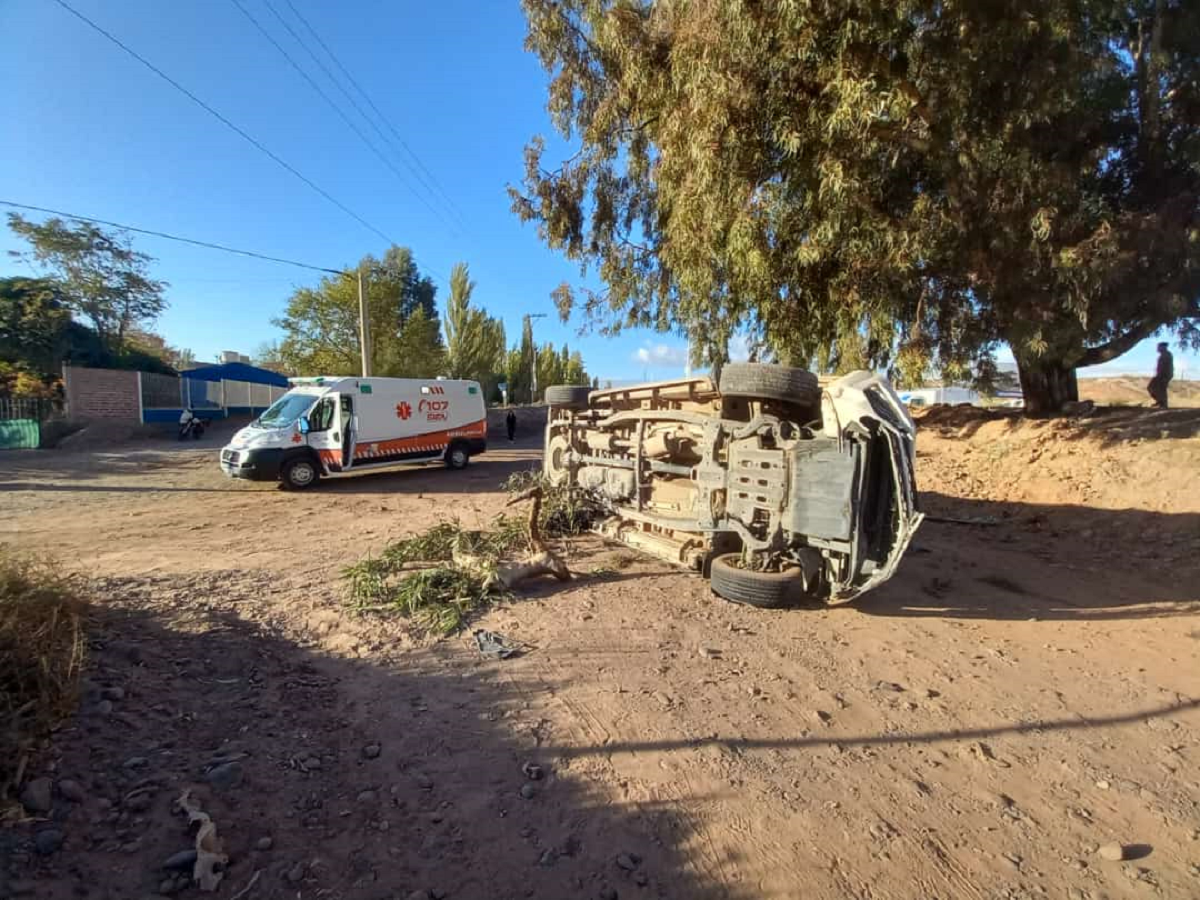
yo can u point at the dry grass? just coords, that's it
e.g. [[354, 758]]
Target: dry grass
[[42, 650]]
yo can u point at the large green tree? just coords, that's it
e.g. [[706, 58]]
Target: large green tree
[[474, 340], [321, 325], [915, 181], [33, 320], [100, 275]]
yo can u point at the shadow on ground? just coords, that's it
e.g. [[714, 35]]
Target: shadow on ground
[[1001, 560], [326, 776]]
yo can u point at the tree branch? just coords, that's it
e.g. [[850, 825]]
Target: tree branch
[[1123, 343]]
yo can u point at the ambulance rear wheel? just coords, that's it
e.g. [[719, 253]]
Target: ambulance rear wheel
[[457, 457], [299, 474]]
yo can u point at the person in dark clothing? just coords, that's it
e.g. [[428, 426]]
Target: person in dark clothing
[[510, 423], [1157, 388]]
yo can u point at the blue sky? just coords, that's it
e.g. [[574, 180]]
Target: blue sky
[[89, 130]]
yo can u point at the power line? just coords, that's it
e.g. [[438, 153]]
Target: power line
[[173, 237], [431, 184], [179, 87], [324, 96], [338, 85]]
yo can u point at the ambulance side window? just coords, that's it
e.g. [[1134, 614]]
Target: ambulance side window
[[321, 417]]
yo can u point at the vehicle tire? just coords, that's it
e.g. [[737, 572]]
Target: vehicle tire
[[457, 456], [758, 380], [568, 396], [767, 590], [554, 460], [299, 474]]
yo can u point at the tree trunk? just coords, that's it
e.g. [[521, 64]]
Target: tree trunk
[[1047, 384]]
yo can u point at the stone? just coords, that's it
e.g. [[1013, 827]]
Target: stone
[[1103, 785], [641, 879], [184, 859], [104, 707], [367, 797], [627, 861], [265, 843], [139, 802], [424, 782], [1113, 852], [372, 751], [47, 841], [533, 771], [113, 693], [72, 790], [297, 872], [528, 791], [166, 887], [548, 858], [137, 762], [418, 895], [226, 776], [35, 796], [662, 698], [609, 894]]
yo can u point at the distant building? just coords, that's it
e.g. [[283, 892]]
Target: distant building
[[928, 396], [232, 356]]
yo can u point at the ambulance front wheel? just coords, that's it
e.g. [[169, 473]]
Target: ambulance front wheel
[[298, 474], [457, 457]]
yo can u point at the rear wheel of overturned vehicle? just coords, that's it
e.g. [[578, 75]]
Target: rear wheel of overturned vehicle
[[797, 388], [767, 590], [299, 474], [567, 396]]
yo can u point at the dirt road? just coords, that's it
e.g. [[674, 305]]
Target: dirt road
[[1023, 693]]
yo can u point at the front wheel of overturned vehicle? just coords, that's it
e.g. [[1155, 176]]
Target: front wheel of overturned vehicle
[[767, 590]]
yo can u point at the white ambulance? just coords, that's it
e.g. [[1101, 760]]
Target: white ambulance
[[330, 427]]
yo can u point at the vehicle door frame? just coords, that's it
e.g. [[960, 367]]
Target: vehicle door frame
[[347, 423]]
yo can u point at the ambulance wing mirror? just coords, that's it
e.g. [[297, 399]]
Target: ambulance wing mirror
[[354, 424], [305, 428]]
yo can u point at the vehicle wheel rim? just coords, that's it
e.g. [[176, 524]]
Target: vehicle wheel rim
[[302, 474], [458, 458]]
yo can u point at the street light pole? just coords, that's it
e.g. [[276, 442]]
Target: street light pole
[[364, 326], [529, 317]]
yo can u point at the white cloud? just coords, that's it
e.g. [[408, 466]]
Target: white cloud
[[739, 348], [660, 355]]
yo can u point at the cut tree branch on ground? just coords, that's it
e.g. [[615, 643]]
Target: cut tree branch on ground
[[540, 560]]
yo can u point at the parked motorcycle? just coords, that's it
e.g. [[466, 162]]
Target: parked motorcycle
[[190, 424]]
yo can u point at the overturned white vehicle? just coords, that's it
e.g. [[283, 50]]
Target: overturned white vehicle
[[777, 487]]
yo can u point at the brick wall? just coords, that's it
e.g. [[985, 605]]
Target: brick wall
[[102, 394]]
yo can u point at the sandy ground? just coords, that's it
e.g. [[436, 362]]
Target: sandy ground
[[1021, 694]]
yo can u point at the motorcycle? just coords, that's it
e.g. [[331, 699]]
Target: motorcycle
[[190, 424]]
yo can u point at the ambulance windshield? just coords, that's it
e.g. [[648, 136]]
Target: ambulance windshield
[[286, 410]]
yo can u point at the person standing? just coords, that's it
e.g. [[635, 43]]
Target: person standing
[[1163, 373], [510, 423]]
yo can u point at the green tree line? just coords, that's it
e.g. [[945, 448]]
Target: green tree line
[[408, 337], [91, 305]]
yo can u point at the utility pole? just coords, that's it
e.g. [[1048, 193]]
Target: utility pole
[[364, 327], [529, 317]]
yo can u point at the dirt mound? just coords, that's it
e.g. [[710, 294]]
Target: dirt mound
[[1120, 479], [1130, 390]]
